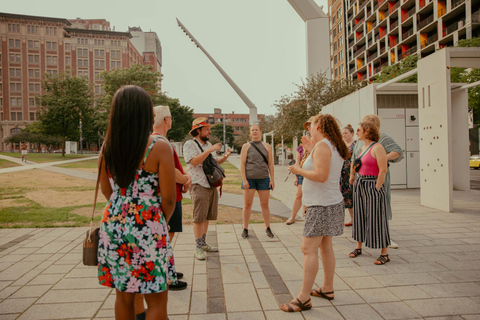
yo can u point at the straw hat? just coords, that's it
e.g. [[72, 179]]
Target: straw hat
[[305, 125], [199, 123]]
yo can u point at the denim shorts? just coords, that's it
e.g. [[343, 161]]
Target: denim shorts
[[258, 184], [300, 179]]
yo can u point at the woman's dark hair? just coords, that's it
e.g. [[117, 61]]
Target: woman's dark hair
[[329, 127], [129, 126], [371, 131], [349, 128]]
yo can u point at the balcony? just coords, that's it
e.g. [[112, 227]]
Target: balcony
[[382, 50], [359, 22], [422, 3], [456, 3], [360, 51], [352, 70], [393, 25], [425, 22], [392, 9], [360, 36], [372, 56], [408, 14], [441, 12], [476, 17], [378, 69], [429, 41], [382, 33], [409, 52], [455, 26], [407, 34], [380, 2]]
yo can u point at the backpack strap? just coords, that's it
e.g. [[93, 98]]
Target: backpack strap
[[261, 153]]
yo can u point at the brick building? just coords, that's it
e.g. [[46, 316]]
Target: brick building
[[33, 46], [238, 121]]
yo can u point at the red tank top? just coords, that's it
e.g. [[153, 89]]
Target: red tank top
[[369, 165]]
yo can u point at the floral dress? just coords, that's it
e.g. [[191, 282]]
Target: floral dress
[[345, 186], [134, 252]]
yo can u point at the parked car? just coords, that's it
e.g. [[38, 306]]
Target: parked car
[[475, 161]]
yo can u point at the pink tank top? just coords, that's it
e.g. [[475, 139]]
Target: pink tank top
[[369, 165]]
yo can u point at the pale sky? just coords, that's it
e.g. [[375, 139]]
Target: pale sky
[[259, 43]]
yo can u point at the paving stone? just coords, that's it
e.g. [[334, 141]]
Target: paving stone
[[343, 297], [363, 282], [402, 280], [443, 307], [198, 304], [179, 301], [259, 280], [8, 316], [377, 295], [8, 291], [461, 265], [215, 288], [281, 315], [200, 282], [210, 316], [395, 310], [31, 291], [254, 266], [71, 296], [232, 259], [241, 297], [16, 305], [216, 305], [359, 311], [17, 270], [63, 269], [60, 311], [178, 317], [277, 285], [409, 293], [458, 276], [235, 273], [451, 290], [322, 313], [26, 278], [46, 279], [73, 283], [267, 299], [246, 316]]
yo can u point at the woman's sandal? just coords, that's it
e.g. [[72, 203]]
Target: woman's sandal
[[355, 253], [382, 259], [318, 293], [289, 221], [301, 306]]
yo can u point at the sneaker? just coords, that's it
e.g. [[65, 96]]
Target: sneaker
[[269, 232], [245, 233], [208, 248], [199, 254], [393, 245], [181, 285]]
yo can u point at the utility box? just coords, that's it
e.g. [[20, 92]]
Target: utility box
[[71, 147]]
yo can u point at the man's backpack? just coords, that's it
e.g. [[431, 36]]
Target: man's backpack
[[212, 170]]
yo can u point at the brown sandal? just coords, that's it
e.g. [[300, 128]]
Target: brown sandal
[[301, 306], [355, 253], [318, 293], [382, 260]]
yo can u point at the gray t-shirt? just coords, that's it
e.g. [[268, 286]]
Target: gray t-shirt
[[256, 167]]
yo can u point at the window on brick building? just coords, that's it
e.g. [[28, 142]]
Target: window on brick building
[[15, 72], [33, 58], [67, 46], [14, 27], [33, 44], [32, 116], [31, 102], [15, 86], [14, 43], [51, 59], [32, 29]]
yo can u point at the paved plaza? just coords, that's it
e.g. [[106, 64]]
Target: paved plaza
[[434, 274]]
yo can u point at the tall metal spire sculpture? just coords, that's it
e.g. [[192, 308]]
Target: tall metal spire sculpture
[[248, 102]]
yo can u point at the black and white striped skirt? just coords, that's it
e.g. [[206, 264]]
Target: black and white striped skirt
[[370, 223]]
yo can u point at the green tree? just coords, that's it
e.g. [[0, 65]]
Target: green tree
[[407, 64], [148, 79], [66, 98], [217, 131]]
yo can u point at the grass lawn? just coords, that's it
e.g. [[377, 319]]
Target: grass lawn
[[87, 164], [7, 164], [46, 157]]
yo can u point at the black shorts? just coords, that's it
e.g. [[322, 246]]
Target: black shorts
[[175, 222]]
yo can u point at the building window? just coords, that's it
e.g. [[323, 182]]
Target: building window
[[340, 55], [15, 87], [15, 72], [334, 46], [99, 42], [32, 29], [82, 62], [336, 73], [67, 46], [99, 53], [67, 61], [341, 69], [115, 64], [14, 43], [50, 31], [33, 58], [14, 57], [82, 52], [51, 59], [334, 32], [31, 102], [52, 72], [33, 44], [16, 116], [34, 87], [115, 43], [34, 73], [82, 41], [99, 63], [32, 116], [51, 45], [116, 54], [339, 13], [340, 41], [16, 102], [340, 26], [335, 59], [83, 73], [14, 27]]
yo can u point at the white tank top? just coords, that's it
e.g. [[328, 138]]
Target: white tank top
[[323, 193]]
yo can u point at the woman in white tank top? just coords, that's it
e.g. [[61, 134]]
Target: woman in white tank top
[[325, 209]]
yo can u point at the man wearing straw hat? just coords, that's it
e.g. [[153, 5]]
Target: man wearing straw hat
[[204, 197]]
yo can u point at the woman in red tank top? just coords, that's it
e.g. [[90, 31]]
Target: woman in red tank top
[[370, 223]]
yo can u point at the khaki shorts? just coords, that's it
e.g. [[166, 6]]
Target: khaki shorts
[[205, 203]]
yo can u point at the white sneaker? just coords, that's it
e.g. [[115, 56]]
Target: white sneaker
[[199, 254], [393, 245]]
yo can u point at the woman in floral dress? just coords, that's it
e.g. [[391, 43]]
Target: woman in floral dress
[[137, 177], [345, 186]]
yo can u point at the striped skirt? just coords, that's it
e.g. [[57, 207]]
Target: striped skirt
[[370, 223]]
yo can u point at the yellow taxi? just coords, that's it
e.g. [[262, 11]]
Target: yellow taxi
[[475, 161]]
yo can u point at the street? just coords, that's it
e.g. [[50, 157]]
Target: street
[[474, 179]]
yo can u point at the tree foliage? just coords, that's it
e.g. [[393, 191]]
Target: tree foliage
[[407, 64], [66, 99], [33, 138], [148, 79], [217, 131]]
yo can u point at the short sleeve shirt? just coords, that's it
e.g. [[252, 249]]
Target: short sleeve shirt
[[190, 151]]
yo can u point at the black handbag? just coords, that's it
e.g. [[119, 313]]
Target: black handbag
[[357, 163], [90, 244]]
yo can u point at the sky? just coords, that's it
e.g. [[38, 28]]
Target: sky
[[259, 43]]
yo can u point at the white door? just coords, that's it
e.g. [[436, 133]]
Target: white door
[[393, 124]]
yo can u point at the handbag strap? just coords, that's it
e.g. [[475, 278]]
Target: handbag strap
[[261, 153], [366, 151], [96, 194]]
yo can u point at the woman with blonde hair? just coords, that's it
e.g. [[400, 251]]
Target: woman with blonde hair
[[325, 209]]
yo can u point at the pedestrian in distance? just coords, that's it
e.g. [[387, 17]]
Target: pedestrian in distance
[[183, 181], [257, 169], [325, 209], [345, 186], [203, 195], [370, 224], [24, 150], [302, 155], [137, 178]]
